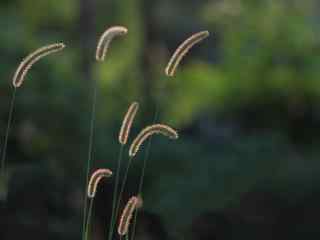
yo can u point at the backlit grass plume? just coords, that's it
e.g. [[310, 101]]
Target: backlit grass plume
[[101, 52], [149, 131], [106, 39], [17, 81], [126, 215], [31, 59], [127, 123], [182, 50], [95, 179]]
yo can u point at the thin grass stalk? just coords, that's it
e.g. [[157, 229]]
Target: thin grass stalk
[[146, 157], [87, 230], [122, 189], [115, 192], [89, 159], [4, 150]]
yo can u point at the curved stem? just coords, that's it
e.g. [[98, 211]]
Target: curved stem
[[146, 157], [91, 136], [122, 188], [115, 192], [4, 150], [87, 229]]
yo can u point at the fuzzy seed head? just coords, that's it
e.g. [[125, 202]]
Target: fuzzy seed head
[[105, 40], [126, 215], [149, 131], [182, 50], [127, 123], [95, 179], [31, 59]]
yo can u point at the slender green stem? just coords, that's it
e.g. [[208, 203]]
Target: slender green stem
[[122, 189], [115, 192], [89, 159], [146, 157], [87, 229], [4, 150]]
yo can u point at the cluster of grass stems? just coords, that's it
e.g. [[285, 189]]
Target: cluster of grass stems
[[130, 212]]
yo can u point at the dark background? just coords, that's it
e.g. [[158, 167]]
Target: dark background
[[246, 103]]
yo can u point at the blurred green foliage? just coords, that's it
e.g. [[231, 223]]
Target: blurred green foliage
[[267, 63], [243, 101]]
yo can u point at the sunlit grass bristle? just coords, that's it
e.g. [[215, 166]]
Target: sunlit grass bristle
[[95, 179], [31, 59], [149, 131], [182, 50], [127, 123], [126, 215], [105, 40]]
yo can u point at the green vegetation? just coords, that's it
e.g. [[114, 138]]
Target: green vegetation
[[245, 103]]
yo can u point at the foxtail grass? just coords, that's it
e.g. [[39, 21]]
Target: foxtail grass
[[182, 50], [148, 132], [91, 192], [105, 40], [126, 215], [123, 138], [17, 81]]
